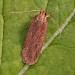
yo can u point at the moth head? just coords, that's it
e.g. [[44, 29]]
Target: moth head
[[43, 12]]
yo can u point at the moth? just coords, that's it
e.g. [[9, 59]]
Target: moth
[[35, 38]]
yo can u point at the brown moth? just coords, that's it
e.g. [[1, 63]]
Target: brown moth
[[35, 39]]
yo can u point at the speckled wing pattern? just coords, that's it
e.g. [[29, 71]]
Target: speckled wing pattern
[[35, 39]]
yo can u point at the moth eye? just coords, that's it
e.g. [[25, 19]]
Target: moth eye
[[40, 12], [45, 13]]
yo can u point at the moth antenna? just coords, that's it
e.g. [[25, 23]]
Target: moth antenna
[[52, 19], [24, 69], [20, 12], [48, 15]]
